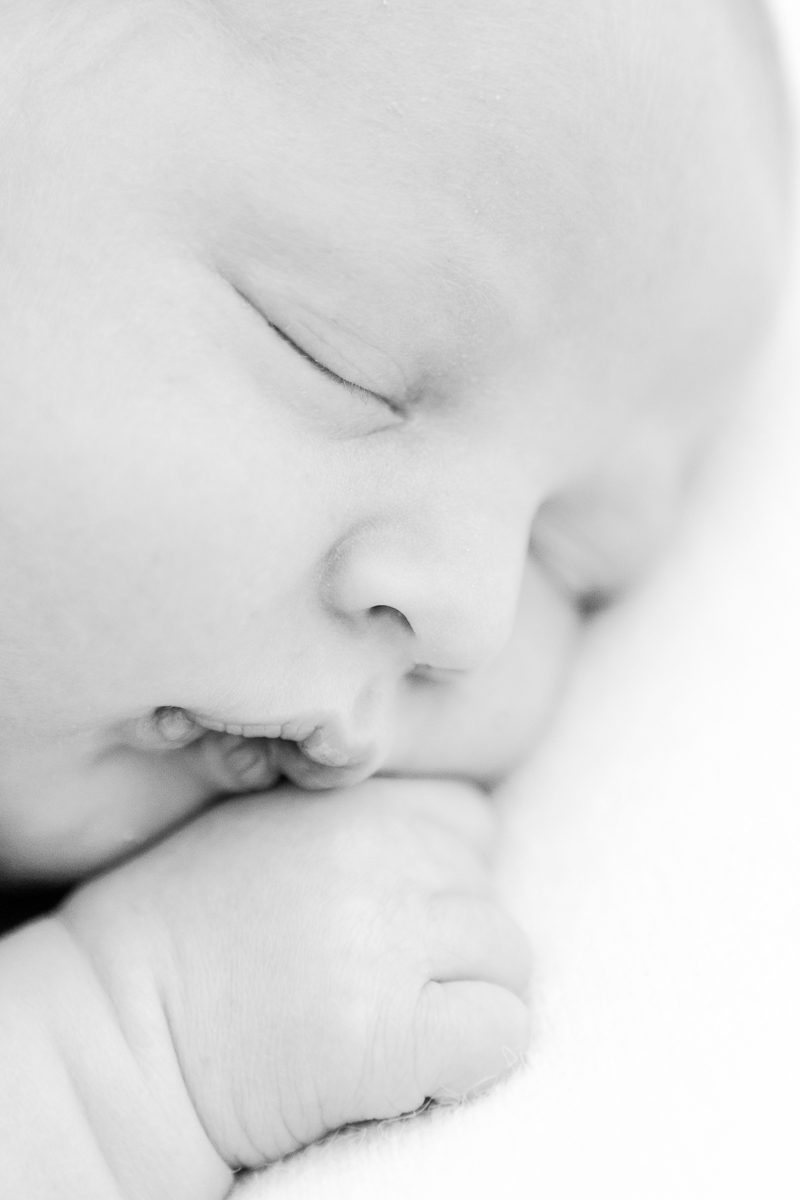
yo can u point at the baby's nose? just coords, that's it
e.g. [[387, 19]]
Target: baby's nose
[[455, 599]]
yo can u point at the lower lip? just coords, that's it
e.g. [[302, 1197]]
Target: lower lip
[[257, 764], [305, 772]]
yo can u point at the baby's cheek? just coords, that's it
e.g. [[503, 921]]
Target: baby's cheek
[[63, 816], [484, 724]]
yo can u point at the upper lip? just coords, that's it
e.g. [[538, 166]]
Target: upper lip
[[322, 737]]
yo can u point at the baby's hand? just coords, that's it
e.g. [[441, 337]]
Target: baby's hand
[[319, 959]]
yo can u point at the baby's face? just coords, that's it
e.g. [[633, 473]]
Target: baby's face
[[316, 322]]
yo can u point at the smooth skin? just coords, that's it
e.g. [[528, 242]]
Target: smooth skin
[[346, 354]]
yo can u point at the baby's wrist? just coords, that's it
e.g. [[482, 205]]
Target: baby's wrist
[[94, 1101]]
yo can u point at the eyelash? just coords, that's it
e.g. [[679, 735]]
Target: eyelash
[[354, 388]]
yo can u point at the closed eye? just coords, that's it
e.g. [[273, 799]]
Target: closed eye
[[353, 387]]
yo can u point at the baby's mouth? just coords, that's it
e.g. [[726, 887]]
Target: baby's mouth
[[321, 740], [312, 752]]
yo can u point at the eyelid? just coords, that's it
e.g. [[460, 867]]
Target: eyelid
[[347, 383]]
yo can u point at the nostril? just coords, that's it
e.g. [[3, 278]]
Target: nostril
[[384, 611], [426, 673]]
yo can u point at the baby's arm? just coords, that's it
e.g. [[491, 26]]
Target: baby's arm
[[85, 1112], [284, 965]]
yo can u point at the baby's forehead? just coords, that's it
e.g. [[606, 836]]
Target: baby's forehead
[[546, 125], [500, 118], [453, 150], [510, 107], [481, 91]]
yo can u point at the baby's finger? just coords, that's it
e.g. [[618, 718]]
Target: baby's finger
[[468, 1036], [472, 938], [229, 763]]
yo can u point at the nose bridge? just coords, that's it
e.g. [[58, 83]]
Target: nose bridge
[[449, 559]]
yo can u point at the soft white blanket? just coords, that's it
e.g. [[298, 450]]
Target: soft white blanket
[[653, 854]]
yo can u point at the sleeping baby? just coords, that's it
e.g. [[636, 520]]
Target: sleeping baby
[[353, 355]]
